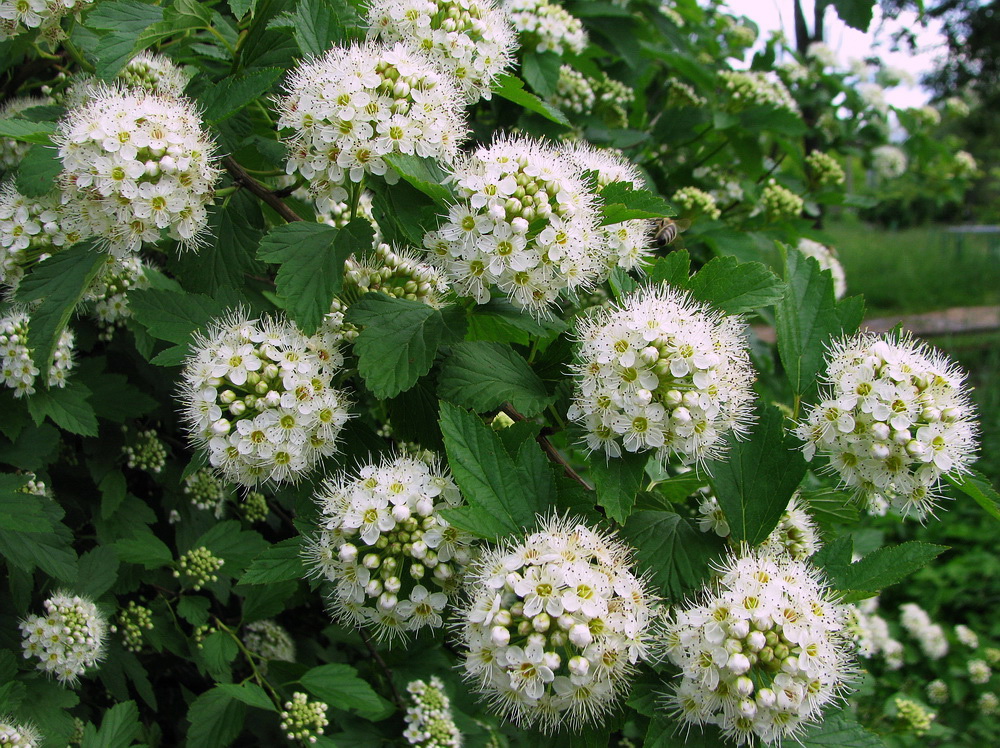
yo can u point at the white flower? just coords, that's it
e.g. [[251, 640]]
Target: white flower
[[18, 16], [894, 416], [356, 105], [136, 164], [429, 721], [472, 40], [68, 639], [396, 563], [661, 372], [17, 370], [257, 395], [31, 229], [774, 657], [525, 223], [827, 261], [548, 26], [555, 624]]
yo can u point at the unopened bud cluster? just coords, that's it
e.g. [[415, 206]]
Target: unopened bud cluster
[[12, 151], [109, 291], [825, 169], [763, 652], [472, 40], [692, 202], [751, 88], [574, 92], [198, 567], [547, 26], [795, 534], [662, 372], [19, 16], [555, 625], [894, 416], [17, 734], [69, 638], [31, 229], [356, 105], [132, 622], [269, 641], [255, 507], [258, 396], [929, 635], [154, 73], [146, 452], [17, 370], [395, 561], [779, 203], [34, 486], [914, 717], [827, 261], [136, 164], [302, 719], [207, 491], [429, 722], [394, 272], [525, 222]]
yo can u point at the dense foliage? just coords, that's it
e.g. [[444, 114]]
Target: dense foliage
[[370, 377]]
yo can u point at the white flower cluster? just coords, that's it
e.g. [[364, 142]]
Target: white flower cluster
[[873, 95], [967, 636], [134, 164], [979, 672], [31, 229], [548, 26], [429, 723], [302, 720], [269, 641], [207, 491], [662, 372], [762, 653], [823, 54], [395, 560], [988, 703], [965, 164], [258, 396], [18, 735], [627, 244], [18, 16], [889, 161], [555, 625], [11, 150], [778, 203], [109, 292], [892, 418], [937, 691], [752, 88], [929, 635], [825, 169], [957, 107], [827, 261], [694, 202], [472, 40], [398, 273], [683, 95], [356, 105], [525, 222], [871, 635], [69, 638], [926, 115], [17, 370]]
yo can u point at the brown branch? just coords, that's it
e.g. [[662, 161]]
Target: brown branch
[[396, 698], [243, 179], [549, 448]]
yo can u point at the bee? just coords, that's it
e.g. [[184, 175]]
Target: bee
[[668, 231]]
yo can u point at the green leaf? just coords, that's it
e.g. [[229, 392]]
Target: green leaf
[[241, 7], [115, 399], [145, 549], [622, 202], [885, 567], [59, 282], [318, 25], [278, 563], [52, 552], [38, 171], [98, 571], [173, 316], [673, 549], [194, 609], [758, 477], [249, 693], [68, 407], [340, 687], [230, 542], [500, 321], [21, 512], [511, 88], [978, 487], [483, 376], [119, 727], [398, 342], [231, 94], [425, 174], [312, 257], [673, 269], [855, 13], [216, 720], [734, 287], [617, 481], [541, 72], [839, 730], [27, 131], [126, 20], [493, 485], [218, 650]]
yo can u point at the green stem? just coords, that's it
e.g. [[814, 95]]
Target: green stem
[[226, 191], [249, 657], [215, 32], [77, 55]]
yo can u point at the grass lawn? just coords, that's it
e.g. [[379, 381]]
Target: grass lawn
[[917, 270]]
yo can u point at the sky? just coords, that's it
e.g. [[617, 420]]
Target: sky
[[847, 42]]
